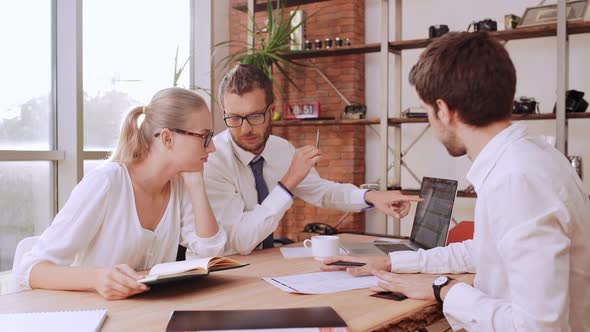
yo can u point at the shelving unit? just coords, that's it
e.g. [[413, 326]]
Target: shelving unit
[[561, 30], [395, 47], [335, 51], [546, 30], [259, 7], [362, 122], [515, 117]]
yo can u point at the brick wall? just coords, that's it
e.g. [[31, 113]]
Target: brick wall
[[343, 146]]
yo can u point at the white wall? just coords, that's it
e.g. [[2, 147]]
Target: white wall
[[535, 61]]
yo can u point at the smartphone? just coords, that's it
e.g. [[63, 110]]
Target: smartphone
[[342, 263], [390, 296]]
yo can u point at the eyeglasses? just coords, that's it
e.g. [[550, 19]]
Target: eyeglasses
[[207, 137], [254, 119]]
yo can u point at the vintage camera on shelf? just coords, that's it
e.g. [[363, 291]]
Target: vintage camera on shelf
[[485, 25], [415, 112], [437, 30], [354, 112], [525, 105], [574, 102]]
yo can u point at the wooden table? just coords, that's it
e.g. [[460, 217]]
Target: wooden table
[[234, 289]]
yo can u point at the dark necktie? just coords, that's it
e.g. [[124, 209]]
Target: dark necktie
[[262, 191]]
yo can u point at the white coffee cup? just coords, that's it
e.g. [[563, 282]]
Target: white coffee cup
[[323, 246]]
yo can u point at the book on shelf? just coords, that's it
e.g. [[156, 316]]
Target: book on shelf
[[321, 319], [188, 269]]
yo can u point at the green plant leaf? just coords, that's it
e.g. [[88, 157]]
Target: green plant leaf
[[269, 48]]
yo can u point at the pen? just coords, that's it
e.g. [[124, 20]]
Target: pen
[[317, 139]]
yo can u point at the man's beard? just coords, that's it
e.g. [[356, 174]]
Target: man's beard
[[257, 149], [454, 146]]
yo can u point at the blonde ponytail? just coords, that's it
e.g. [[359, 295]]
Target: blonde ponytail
[[133, 143], [169, 108]]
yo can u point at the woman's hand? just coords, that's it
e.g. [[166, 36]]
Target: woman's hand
[[119, 282]]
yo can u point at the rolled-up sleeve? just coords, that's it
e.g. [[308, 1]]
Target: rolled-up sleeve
[[455, 258], [76, 224], [198, 246]]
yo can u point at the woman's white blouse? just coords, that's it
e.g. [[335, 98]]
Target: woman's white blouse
[[99, 227]]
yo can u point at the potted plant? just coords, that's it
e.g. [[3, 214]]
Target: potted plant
[[270, 44]]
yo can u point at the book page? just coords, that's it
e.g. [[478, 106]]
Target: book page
[[180, 266], [217, 263], [321, 282]]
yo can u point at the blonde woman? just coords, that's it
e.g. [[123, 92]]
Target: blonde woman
[[132, 212]]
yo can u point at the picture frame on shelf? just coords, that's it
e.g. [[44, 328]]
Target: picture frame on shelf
[[546, 14], [302, 110]]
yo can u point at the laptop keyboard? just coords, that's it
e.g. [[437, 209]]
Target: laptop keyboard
[[389, 247]]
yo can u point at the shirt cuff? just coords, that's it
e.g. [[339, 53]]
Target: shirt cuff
[[358, 197], [280, 184], [211, 246], [405, 261], [458, 306], [22, 283]]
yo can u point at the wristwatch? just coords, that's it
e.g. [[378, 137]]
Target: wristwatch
[[438, 284]]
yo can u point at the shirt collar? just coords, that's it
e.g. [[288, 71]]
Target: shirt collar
[[246, 157], [489, 155]]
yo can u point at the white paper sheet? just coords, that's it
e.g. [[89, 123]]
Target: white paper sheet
[[321, 282], [63, 321]]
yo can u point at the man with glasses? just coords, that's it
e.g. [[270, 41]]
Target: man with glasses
[[252, 178]]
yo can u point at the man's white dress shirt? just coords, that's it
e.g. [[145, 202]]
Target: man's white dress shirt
[[531, 249], [99, 227], [232, 191]]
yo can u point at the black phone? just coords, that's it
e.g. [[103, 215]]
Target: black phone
[[390, 296], [343, 263], [320, 228]]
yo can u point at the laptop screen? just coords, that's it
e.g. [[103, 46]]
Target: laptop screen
[[433, 215]]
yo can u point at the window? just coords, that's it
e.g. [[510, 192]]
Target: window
[[26, 123], [129, 52], [26, 205]]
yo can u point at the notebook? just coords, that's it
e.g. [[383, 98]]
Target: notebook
[[192, 268], [295, 319], [63, 321]]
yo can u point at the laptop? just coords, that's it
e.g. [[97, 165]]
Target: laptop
[[431, 221]]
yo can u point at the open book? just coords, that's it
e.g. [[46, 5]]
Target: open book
[[193, 268]]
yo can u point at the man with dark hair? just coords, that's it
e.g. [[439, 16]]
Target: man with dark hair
[[531, 249], [253, 176]]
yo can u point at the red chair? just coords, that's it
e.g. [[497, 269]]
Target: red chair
[[463, 231]]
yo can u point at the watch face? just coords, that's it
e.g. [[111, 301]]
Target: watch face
[[440, 280]]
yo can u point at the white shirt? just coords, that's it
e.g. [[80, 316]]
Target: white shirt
[[230, 185], [99, 227], [531, 249]]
